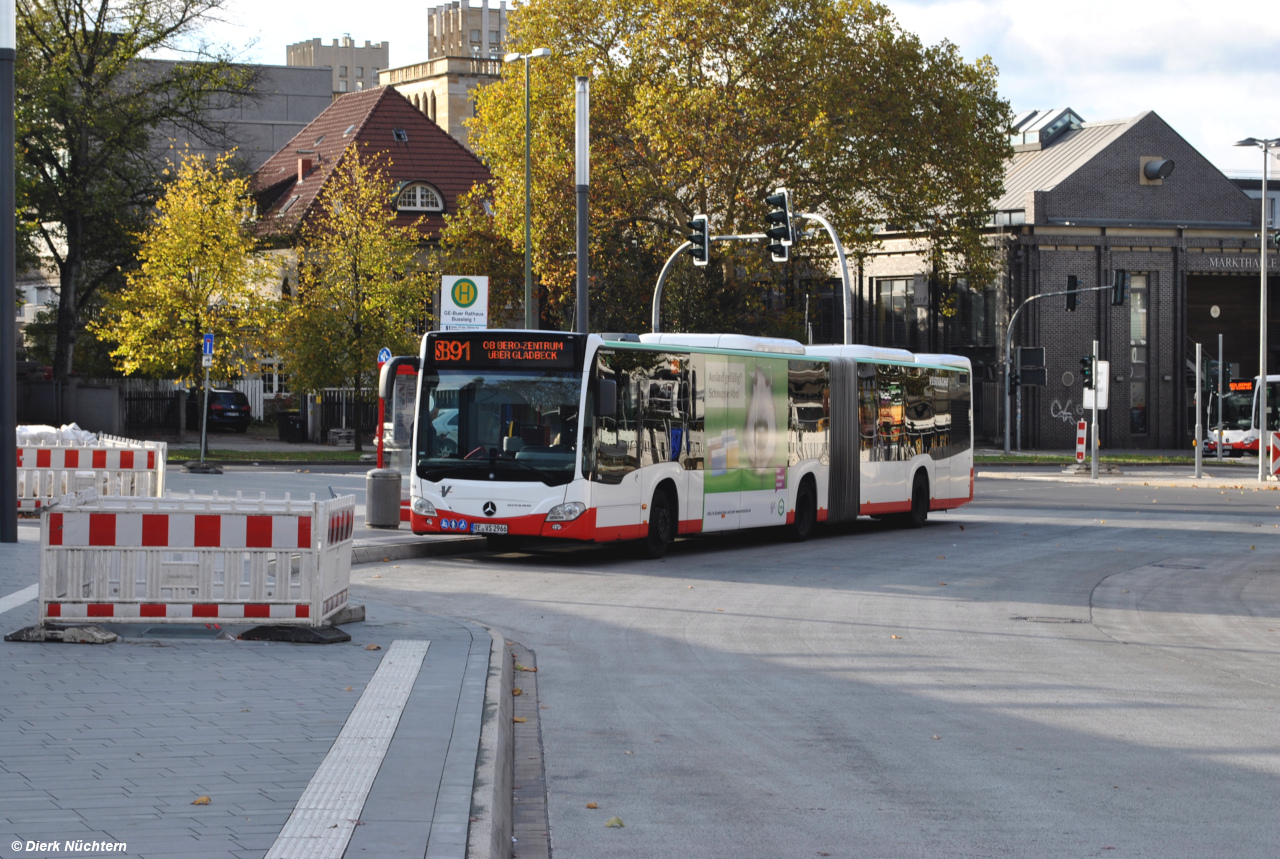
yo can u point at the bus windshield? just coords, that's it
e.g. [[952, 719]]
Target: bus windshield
[[498, 424], [1237, 410]]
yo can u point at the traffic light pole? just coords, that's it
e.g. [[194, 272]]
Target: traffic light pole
[[1008, 352], [1199, 442], [1093, 426], [844, 273], [8, 288], [655, 314], [1220, 399]]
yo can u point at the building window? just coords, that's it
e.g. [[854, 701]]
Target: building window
[[359, 71], [431, 112], [493, 36], [342, 71], [419, 197], [359, 84], [342, 86], [891, 312], [475, 35], [1138, 354]]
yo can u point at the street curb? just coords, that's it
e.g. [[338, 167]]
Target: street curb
[[372, 554], [489, 835]]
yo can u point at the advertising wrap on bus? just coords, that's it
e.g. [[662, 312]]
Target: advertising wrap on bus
[[523, 435], [746, 422]]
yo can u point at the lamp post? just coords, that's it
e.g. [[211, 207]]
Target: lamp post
[[528, 192], [8, 274], [1264, 432]]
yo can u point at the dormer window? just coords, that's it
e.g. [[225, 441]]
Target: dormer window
[[419, 197], [400, 135]]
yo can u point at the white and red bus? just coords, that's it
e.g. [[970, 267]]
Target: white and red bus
[[1239, 416], [522, 435]]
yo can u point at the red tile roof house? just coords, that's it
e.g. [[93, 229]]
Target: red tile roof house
[[431, 169]]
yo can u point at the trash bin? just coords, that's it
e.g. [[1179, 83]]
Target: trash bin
[[293, 427], [382, 498]]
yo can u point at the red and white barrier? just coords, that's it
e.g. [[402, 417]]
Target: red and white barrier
[[1082, 432], [172, 560], [111, 466]]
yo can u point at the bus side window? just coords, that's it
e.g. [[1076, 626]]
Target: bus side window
[[868, 414], [617, 437]]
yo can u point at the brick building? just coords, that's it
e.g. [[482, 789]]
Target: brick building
[[1078, 201]]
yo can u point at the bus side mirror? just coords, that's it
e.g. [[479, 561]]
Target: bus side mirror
[[606, 398], [386, 379]]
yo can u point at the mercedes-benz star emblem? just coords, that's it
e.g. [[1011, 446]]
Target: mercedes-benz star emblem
[[490, 508]]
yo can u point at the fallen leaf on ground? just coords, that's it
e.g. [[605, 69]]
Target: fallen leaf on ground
[[895, 636], [628, 752], [719, 609], [614, 823], [533, 670], [377, 576], [942, 584], [936, 737], [348, 689], [373, 647], [517, 691], [386, 560], [592, 805], [942, 557], [201, 800], [519, 719]]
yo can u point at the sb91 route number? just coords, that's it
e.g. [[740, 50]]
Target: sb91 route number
[[453, 350]]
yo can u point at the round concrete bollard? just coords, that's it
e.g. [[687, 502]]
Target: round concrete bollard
[[382, 498]]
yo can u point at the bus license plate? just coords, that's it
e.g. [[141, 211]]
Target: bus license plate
[[487, 528]]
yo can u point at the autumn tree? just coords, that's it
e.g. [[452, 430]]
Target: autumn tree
[[359, 284], [89, 120], [706, 108], [197, 272]]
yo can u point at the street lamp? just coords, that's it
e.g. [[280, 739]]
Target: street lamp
[[1264, 461], [8, 275], [528, 192]]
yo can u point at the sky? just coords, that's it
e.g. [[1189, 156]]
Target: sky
[[1210, 69]]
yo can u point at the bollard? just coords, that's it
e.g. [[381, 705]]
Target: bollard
[[382, 498]]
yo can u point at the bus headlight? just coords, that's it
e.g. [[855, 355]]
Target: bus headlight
[[566, 512], [423, 507]]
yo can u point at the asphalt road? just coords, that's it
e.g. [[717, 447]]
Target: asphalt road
[[1055, 670]]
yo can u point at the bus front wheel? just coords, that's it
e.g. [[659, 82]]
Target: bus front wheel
[[662, 525]]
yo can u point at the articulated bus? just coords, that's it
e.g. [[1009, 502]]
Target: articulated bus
[[523, 435]]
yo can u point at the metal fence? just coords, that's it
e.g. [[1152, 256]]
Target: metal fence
[[151, 411], [339, 410]]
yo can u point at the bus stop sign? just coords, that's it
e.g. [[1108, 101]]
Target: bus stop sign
[[384, 355]]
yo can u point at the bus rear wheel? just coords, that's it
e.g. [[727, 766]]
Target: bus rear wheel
[[919, 502], [662, 526]]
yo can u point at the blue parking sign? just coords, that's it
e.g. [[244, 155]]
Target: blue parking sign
[[208, 344]]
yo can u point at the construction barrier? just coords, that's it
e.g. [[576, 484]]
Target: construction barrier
[[111, 466], [195, 558]]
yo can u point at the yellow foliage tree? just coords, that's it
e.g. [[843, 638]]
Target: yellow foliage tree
[[359, 285], [197, 273]]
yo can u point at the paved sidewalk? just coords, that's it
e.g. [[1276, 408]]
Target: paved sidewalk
[[117, 742], [1172, 476]]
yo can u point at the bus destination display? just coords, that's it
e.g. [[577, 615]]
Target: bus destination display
[[497, 350]]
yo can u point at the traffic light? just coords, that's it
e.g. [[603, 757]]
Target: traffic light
[[1119, 287], [1015, 378], [700, 238], [780, 231], [1073, 283], [1086, 372]]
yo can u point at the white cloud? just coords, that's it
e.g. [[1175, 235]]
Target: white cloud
[[1210, 70]]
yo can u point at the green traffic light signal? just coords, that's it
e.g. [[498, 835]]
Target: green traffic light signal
[[1086, 371]]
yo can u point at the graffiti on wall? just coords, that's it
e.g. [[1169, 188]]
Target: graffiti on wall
[[1066, 412]]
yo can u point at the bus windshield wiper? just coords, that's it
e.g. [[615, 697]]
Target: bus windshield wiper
[[546, 478]]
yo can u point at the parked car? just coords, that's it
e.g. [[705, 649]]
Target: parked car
[[227, 408]]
